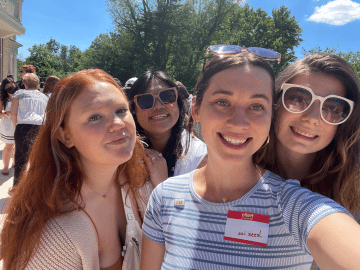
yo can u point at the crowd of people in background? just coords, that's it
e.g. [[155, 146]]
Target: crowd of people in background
[[252, 170]]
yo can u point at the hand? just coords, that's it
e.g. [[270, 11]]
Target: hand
[[157, 166]]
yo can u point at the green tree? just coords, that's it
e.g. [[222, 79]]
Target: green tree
[[173, 35], [167, 34], [352, 57], [113, 53], [53, 58], [19, 64], [255, 28]]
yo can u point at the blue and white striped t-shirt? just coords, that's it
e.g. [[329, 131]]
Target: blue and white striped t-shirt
[[194, 233]]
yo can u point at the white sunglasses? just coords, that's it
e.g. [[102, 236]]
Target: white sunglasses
[[334, 109]]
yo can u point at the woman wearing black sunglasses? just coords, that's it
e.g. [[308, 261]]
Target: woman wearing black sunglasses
[[315, 138], [158, 110]]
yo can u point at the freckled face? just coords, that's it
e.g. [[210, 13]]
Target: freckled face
[[100, 126], [235, 113], [307, 133], [161, 118]]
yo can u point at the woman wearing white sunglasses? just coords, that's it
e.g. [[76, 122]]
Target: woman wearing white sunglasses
[[158, 110], [315, 138], [232, 214]]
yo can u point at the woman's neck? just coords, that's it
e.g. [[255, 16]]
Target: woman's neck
[[222, 180], [159, 141], [292, 165], [100, 178]]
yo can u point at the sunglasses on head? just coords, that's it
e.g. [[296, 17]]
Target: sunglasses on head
[[334, 109], [147, 101], [224, 49]]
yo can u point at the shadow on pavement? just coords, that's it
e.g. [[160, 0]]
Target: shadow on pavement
[[4, 178]]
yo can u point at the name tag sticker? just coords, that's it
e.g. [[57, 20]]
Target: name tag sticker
[[247, 228], [130, 216], [179, 202]]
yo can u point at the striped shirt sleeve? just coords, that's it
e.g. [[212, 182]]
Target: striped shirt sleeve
[[152, 226], [302, 209]]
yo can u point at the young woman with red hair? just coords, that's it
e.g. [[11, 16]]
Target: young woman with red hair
[[84, 193]]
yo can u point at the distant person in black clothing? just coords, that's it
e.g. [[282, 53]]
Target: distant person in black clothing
[[23, 70]]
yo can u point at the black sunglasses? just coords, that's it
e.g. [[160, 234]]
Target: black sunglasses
[[147, 101]]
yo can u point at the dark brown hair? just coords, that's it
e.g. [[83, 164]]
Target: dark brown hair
[[4, 93], [335, 173], [217, 64], [173, 149], [50, 83]]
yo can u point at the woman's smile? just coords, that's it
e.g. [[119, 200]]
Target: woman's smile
[[307, 132], [234, 143], [237, 111], [159, 117], [303, 134], [162, 117]]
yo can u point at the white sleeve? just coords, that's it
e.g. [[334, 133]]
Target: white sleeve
[[196, 153]]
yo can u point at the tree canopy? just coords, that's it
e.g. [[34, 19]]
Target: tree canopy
[[352, 57], [172, 36], [53, 58]]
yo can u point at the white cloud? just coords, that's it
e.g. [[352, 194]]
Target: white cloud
[[337, 12]]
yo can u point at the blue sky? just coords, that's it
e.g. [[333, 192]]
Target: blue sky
[[325, 23]]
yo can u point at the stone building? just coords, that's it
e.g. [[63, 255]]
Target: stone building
[[10, 27]]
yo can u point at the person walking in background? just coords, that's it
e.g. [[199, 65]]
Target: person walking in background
[[49, 85], [24, 70], [27, 113], [8, 88]]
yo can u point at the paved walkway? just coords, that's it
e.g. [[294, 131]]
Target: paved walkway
[[6, 181]]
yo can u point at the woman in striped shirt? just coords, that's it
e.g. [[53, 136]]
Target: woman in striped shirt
[[232, 214]]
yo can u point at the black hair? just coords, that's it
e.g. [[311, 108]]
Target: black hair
[[4, 93], [173, 149]]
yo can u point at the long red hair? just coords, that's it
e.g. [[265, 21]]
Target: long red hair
[[54, 177]]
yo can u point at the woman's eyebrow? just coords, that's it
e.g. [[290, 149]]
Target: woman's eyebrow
[[229, 93], [224, 92], [261, 96]]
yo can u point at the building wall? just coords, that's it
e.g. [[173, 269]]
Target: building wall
[[10, 26], [10, 52]]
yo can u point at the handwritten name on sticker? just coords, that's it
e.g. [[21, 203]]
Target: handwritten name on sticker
[[179, 202], [250, 234], [247, 228]]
